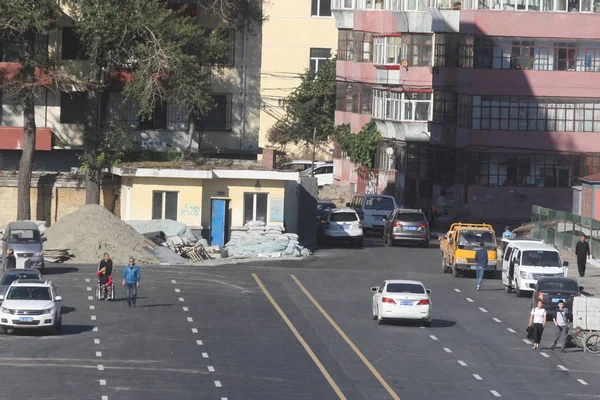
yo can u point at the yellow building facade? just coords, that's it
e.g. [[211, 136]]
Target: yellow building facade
[[298, 35]]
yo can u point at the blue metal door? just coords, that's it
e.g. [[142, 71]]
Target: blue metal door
[[218, 217]]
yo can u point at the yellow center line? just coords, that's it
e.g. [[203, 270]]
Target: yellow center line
[[347, 339], [312, 355]]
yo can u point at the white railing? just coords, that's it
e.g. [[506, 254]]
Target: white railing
[[402, 107], [583, 6], [389, 50], [384, 5]]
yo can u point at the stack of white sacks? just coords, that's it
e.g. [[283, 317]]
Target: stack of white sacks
[[256, 239]]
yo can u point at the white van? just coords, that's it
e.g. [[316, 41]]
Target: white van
[[526, 261], [373, 209]]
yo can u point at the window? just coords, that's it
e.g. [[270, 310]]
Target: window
[[321, 8], [343, 217], [72, 48], [444, 106], [219, 116], [379, 203], [406, 217], [415, 48], [405, 288], [524, 113], [228, 58], [402, 106], [255, 207], [157, 121], [534, 5], [324, 170], [447, 49], [72, 107], [355, 46], [354, 97], [164, 205], [541, 258], [317, 57]]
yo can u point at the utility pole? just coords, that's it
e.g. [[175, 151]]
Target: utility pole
[[312, 171]]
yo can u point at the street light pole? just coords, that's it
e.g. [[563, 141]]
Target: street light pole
[[312, 173]]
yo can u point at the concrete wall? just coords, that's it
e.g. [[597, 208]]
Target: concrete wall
[[54, 196], [576, 200]]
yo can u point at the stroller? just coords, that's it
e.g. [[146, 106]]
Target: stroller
[[110, 286]]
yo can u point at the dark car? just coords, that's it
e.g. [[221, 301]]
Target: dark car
[[322, 206], [12, 275], [406, 225], [552, 290]]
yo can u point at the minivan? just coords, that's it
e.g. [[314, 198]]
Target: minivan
[[373, 210], [524, 262], [27, 243]]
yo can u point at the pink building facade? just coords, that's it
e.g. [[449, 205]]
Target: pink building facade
[[486, 107]]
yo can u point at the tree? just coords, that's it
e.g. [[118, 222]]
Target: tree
[[359, 147], [165, 53], [23, 23], [311, 105]]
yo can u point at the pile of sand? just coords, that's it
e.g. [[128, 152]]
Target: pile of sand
[[92, 231]]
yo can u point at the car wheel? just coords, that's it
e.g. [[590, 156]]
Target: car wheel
[[507, 289], [427, 323]]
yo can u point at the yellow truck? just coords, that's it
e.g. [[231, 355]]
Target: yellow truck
[[458, 248]]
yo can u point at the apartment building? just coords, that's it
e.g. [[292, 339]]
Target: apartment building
[[230, 129], [486, 107], [298, 36]]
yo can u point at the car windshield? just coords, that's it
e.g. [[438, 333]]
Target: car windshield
[[344, 217], [24, 236], [323, 206], [379, 203], [10, 278], [405, 288], [29, 293], [541, 258], [474, 237], [410, 217], [558, 286]]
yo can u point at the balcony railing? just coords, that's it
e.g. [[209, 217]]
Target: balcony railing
[[402, 106], [583, 6], [386, 5]]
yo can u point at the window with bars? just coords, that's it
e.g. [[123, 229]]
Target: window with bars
[[219, 116], [524, 113], [355, 46], [415, 48], [354, 97], [584, 6], [444, 106], [71, 45], [447, 49], [402, 106], [228, 57]]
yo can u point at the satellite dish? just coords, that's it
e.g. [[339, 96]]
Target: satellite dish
[[389, 151]]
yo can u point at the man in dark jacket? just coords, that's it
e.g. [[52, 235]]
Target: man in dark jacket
[[481, 257], [105, 271], [11, 260], [582, 251]]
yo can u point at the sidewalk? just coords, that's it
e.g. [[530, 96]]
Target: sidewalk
[[591, 281]]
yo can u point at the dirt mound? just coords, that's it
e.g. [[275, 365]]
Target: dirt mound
[[92, 231]]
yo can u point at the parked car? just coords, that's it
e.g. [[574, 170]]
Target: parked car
[[340, 225], [406, 225], [400, 299], [27, 242], [323, 173], [373, 209], [552, 290], [31, 304], [299, 165], [324, 205], [14, 274]]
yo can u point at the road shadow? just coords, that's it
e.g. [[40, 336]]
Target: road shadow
[[435, 323], [65, 331], [67, 309], [122, 299], [156, 305], [59, 270]]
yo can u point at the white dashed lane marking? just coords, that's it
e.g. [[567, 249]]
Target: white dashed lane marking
[[90, 297], [98, 354], [96, 341], [100, 367], [186, 309], [527, 341], [177, 291], [194, 330], [190, 319], [582, 382], [544, 354], [461, 362], [93, 317], [457, 290], [496, 394], [104, 397], [433, 337], [218, 384], [477, 377], [470, 300], [181, 299], [211, 368], [562, 367], [199, 342], [497, 320], [89, 289], [87, 279], [511, 330], [92, 307], [204, 355], [102, 382], [447, 350], [95, 329], [482, 309], [173, 281]]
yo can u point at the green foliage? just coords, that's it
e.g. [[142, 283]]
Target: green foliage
[[360, 147], [114, 143], [311, 105]]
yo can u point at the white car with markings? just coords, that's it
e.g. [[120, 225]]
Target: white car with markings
[[31, 304], [401, 299]]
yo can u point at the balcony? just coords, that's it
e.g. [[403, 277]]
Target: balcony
[[577, 6], [11, 138], [385, 5], [402, 58], [403, 115]]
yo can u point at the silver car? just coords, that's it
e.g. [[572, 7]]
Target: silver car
[[25, 240], [406, 225]]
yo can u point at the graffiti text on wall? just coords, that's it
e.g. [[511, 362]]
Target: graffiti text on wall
[[190, 211]]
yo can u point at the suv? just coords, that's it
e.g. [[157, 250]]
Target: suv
[[340, 224], [405, 225], [27, 242], [31, 304], [551, 290]]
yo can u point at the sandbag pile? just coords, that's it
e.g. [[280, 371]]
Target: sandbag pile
[[256, 239]]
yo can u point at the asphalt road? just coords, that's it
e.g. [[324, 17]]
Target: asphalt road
[[290, 330]]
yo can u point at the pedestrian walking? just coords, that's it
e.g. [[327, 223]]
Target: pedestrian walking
[[562, 324], [582, 251], [11, 260], [508, 234], [481, 257], [131, 281], [537, 320]]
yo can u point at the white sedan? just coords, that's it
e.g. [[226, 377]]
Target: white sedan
[[398, 299]]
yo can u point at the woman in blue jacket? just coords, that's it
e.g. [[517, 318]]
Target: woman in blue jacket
[[131, 281]]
